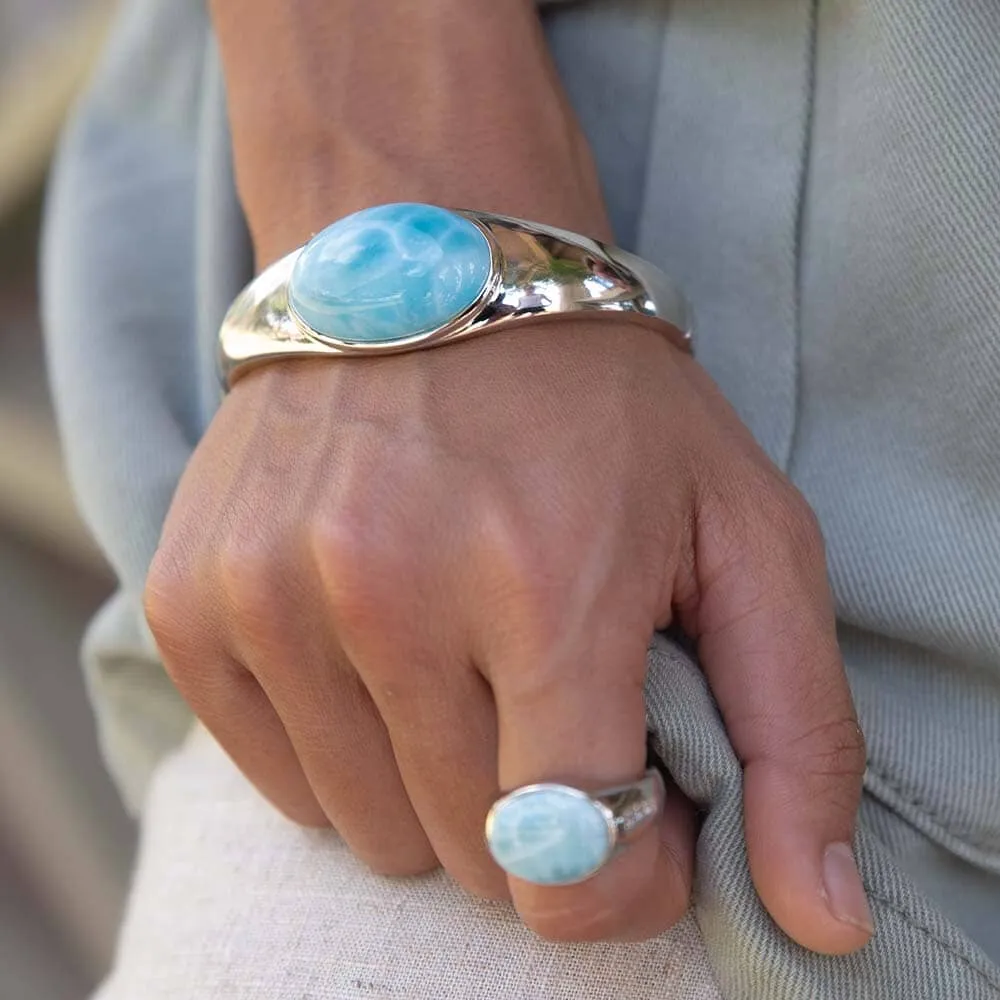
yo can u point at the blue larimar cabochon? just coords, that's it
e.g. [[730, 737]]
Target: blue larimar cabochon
[[549, 835], [390, 272]]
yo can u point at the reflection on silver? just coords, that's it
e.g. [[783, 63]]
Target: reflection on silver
[[634, 806], [537, 271]]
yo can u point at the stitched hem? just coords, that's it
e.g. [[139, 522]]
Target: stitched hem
[[924, 817], [805, 158], [990, 976]]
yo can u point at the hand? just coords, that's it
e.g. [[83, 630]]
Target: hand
[[393, 587]]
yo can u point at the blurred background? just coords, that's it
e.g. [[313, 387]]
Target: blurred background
[[66, 846]]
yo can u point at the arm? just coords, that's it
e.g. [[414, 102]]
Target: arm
[[451, 102]]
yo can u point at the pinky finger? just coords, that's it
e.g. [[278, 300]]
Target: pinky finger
[[236, 711]]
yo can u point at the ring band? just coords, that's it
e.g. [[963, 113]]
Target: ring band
[[555, 835], [463, 288]]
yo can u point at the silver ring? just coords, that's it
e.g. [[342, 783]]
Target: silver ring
[[556, 835], [529, 270]]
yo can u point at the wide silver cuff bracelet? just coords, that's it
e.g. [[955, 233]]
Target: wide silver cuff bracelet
[[404, 277]]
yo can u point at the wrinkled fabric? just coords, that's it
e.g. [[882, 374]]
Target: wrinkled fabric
[[916, 951], [233, 901], [251, 888], [821, 177]]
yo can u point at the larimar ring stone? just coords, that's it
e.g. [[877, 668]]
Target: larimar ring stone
[[554, 835], [388, 273]]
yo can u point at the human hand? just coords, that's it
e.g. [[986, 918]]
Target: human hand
[[393, 587]]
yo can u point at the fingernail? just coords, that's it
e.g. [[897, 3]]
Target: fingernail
[[845, 895]]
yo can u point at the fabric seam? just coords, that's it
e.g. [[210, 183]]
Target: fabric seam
[[991, 979], [637, 236], [805, 159], [925, 809]]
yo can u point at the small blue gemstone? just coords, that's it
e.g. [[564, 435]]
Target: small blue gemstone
[[549, 836], [390, 272]]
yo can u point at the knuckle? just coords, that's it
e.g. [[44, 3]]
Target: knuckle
[[510, 546], [765, 516], [182, 626], [169, 601], [794, 521], [834, 748], [342, 546], [364, 566], [528, 577], [251, 577], [825, 765], [337, 539]]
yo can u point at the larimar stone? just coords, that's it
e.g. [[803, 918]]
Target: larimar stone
[[549, 835], [390, 272]]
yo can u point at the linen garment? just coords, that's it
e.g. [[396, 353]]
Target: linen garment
[[822, 178]]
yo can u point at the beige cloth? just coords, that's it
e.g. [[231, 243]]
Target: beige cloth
[[233, 901]]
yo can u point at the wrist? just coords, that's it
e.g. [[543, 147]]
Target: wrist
[[450, 102]]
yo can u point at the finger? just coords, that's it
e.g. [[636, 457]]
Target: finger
[[439, 713], [442, 722], [767, 641], [231, 705], [277, 627], [222, 693], [391, 589], [571, 711], [348, 759]]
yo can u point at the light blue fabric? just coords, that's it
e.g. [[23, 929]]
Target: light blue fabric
[[822, 178]]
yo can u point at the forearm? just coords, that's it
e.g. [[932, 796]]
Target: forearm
[[339, 104]]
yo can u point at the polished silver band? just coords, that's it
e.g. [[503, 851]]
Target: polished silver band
[[537, 271], [633, 807], [553, 834]]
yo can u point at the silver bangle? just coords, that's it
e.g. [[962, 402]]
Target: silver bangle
[[405, 277]]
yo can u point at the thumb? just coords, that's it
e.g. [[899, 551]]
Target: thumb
[[764, 619]]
